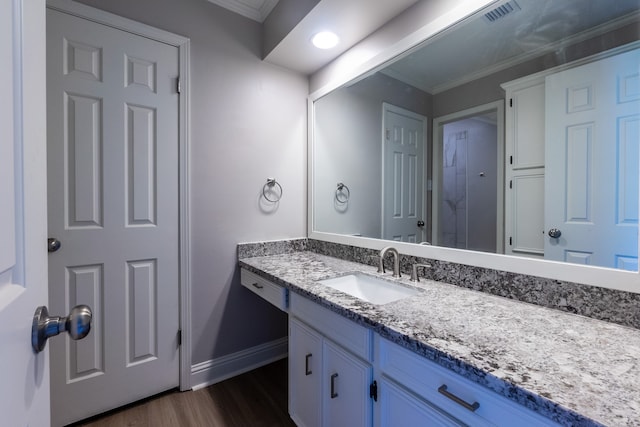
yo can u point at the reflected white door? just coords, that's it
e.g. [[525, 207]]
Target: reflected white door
[[24, 387], [113, 204], [591, 160], [403, 175]]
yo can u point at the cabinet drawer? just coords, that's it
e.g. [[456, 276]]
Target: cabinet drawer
[[275, 294], [399, 407], [426, 379], [338, 329]]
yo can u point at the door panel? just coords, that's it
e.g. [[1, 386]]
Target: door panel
[[24, 388], [592, 139], [85, 285], [83, 174], [113, 204]]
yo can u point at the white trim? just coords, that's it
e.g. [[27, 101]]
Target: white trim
[[184, 47], [258, 13], [498, 107], [536, 78], [215, 370], [310, 165]]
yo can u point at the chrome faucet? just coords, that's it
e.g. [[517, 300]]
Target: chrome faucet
[[396, 260], [414, 271]]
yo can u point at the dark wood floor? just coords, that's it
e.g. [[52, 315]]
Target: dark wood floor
[[257, 398]]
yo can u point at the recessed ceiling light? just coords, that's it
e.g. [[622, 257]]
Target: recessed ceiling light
[[325, 40]]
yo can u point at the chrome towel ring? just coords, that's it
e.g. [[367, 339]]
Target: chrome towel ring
[[342, 193], [269, 188]]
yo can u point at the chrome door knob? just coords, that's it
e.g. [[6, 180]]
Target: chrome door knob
[[555, 233], [53, 244], [77, 324]]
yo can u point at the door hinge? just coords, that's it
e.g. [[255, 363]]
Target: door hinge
[[510, 183], [179, 337], [510, 241], [387, 134], [373, 391], [510, 160], [510, 102], [178, 85]]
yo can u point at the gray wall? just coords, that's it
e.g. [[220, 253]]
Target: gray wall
[[248, 123], [348, 149]]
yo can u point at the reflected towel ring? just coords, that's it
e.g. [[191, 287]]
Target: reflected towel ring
[[342, 193], [269, 188]]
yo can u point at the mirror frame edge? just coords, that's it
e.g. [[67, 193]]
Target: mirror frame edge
[[609, 278]]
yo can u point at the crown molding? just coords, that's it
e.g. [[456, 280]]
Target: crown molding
[[257, 11]]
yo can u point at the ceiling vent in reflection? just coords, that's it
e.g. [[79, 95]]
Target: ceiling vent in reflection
[[501, 11]]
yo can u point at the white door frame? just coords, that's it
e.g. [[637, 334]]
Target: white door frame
[[391, 108], [438, 124], [183, 45]]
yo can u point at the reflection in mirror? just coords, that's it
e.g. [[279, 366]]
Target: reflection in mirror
[[516, 135]]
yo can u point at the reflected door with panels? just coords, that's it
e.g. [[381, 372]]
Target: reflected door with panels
[[403, 175], [593, 129], [112, 106]]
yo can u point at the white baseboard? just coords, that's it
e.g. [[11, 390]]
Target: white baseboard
[[215, 370]]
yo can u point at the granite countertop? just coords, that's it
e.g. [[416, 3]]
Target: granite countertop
[[575, 370]]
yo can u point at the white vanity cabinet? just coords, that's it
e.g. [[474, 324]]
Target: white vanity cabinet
[[342, 374], [329, 368]]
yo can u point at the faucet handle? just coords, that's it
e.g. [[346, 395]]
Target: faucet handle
[[414, 271]]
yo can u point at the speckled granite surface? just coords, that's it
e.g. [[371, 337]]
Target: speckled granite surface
[[275, 247], [575, 370], [599, 303]]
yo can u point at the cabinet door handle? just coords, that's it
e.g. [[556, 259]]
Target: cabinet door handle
[[334, 394], [470, 406], [307, 370], [257, 285]]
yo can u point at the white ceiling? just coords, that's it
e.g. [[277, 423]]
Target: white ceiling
[[351, 20]]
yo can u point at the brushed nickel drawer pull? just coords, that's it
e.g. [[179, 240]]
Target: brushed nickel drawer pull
[[470, 406], [307, 370], [334, 394], [257, 285]]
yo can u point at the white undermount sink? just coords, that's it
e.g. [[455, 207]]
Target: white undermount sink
[[369, 288]]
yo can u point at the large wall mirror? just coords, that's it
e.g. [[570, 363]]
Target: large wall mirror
[[515, 132]]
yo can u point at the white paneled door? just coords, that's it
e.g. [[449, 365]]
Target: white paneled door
[[113, 205], [24, 383], [591, 159], [403, 175]]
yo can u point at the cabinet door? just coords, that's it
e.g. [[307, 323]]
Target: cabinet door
[[527, 126], [305, 355], [524, 187], [399, 408], [345, 390]]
